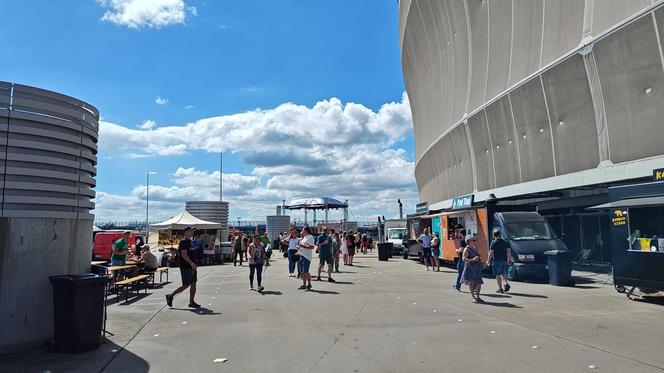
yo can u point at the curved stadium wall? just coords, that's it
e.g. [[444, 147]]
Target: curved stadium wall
[[523, 96]]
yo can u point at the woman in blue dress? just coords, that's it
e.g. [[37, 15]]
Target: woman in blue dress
[[472, 271]]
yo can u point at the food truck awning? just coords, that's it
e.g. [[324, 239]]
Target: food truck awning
[[631, 202]]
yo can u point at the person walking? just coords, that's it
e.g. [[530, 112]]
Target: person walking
[[336, 250], [325, 254], [306, 248], [472, 270], [292, 242], [459, 264], [256, 259], [245, 245], [500, 256], [435, 251], [187, 271], [344, 247], [237, 248], [350, 242], [425, 240]]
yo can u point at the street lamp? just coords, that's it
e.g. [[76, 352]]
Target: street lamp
[[147, 202]]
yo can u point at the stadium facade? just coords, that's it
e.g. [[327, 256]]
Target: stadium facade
[[535, 101]]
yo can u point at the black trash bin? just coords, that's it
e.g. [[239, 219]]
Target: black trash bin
[[384, 250], [78, 311], [560, 267]]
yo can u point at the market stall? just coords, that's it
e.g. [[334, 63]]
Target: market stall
[[637, 236]]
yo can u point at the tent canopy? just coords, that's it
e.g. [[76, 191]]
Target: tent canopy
[[96, 228], [183, 220], [316, 204]]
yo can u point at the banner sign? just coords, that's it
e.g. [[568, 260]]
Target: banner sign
[[658, 174], [422, 208], [462, 202]]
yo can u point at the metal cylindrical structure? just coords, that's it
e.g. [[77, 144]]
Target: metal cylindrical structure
[[213, 211], [277, 224], [48, 157]]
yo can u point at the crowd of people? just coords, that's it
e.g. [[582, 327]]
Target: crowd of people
[[333, 247], [469, 261]]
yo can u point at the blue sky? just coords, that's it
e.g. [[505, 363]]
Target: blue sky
[[224, 60]]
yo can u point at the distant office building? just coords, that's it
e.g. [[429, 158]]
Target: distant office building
[[213, 211], [541, 102]]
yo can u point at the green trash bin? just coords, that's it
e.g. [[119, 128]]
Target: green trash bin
[[78, 311]]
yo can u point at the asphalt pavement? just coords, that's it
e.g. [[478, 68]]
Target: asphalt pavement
[[378, 317]]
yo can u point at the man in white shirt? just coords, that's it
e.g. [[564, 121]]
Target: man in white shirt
[[306, 248]]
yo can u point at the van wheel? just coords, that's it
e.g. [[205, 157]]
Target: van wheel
[[620, 289], [405, 254], [511, 273]]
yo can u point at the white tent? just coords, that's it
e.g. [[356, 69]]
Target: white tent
[[96, 229], [183, 220]]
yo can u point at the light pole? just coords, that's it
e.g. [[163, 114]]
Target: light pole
[[147, 202]]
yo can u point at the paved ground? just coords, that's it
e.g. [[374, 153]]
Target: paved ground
[[379, 317]]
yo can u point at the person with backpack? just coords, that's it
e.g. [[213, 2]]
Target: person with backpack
[[325, 254]]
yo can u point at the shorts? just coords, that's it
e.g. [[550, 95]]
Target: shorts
[[435, 251], [189, 276], [326, 258], [303, 264], [499, 267], [426, 252], [351, 251]]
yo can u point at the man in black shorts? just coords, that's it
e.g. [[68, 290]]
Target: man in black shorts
[[187, 270]]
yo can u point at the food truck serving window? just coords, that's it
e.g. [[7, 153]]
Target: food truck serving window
[[646, 229]]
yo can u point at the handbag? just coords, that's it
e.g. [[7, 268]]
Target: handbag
[[296, 257]]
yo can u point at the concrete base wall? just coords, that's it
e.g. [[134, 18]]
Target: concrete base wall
[[31, 250]]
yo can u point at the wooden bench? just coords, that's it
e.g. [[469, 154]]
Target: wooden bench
[[131, 282], [161, 271]]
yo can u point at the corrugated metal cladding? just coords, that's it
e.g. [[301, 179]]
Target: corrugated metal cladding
[[213, 211], [507, 91], [48, 147]]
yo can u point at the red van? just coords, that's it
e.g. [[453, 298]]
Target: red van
[[102, 246]]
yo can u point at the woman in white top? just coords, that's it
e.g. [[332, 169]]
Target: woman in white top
[[344, 248], [306, 247], [292, 240]]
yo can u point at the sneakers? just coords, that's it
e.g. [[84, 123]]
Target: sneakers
[[318, 278], [500, 291], [194, 305], [308, 288], [251, 288], [169, 300], [330, 280], [457, 287], [290, 275], [260, 289], [302, 287], [507, 287]]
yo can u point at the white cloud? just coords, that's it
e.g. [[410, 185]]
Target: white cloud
[[189, 107], [160, 101], [146, 13], [148, 125], [330, 149]]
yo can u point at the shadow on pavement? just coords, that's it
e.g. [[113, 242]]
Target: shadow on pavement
[[496, 296], [358, 266], [133, 298], [199, 311], [270, 292], [160, 285], [501, 304], [344, 282], [527, 295], [323, 291], [91, 361]]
